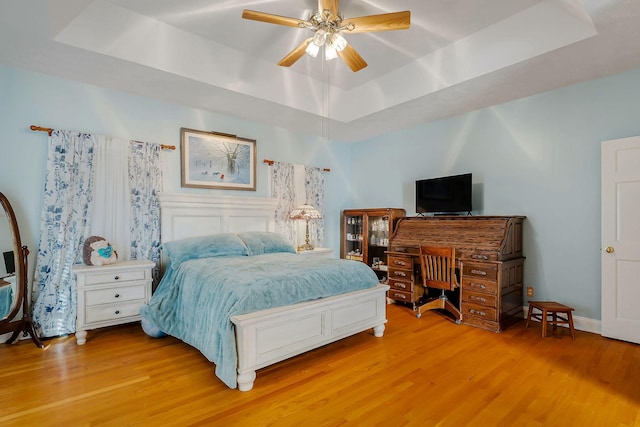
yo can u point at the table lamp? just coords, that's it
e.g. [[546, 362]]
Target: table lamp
[[305, 212]]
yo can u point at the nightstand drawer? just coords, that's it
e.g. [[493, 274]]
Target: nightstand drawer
[[112, 311], [116, 294], [115, 277]]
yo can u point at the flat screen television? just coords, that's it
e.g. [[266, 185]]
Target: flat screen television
[[8, 262], [446, 195]]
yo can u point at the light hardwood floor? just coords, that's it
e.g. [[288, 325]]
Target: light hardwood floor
[[423, 372]]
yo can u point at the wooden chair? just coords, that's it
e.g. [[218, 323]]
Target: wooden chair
[[438, 265]]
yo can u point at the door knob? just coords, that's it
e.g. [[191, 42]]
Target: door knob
[[609, 249]]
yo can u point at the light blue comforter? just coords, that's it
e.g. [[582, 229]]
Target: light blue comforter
[[6, 300], [194, 301]]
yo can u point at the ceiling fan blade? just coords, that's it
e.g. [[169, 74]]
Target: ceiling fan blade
[[352, 58], [295, 54], [270, 18], [331, 5], [382, 22]]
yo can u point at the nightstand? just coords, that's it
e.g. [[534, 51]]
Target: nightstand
[[321, 252], [111, 294]]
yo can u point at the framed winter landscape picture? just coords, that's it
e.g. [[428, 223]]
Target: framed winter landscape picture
[[216, 160]]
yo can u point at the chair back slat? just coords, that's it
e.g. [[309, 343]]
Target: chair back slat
[[438, 267]]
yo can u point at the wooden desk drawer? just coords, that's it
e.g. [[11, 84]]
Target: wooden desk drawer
[[475, 285], [479, 298], [478, 270], [405, 275], [479, 311], [111, 295], [400, 295], [401, 285], [476, 254], [400, 262], [112, 311]]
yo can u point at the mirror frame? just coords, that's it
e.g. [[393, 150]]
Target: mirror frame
[[17, 253], [8, 323]]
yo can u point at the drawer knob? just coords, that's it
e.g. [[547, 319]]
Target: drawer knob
[[478, 285], [117, 296], [116, 278], [475, 298], [475, 256], [117, 311], [399, 273]]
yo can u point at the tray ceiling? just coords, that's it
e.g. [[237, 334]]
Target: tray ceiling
[[458, 56]]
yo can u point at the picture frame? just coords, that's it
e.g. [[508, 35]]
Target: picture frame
[[217, 160]]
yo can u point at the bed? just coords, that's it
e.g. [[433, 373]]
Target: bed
[[226, 246], [6, 296]]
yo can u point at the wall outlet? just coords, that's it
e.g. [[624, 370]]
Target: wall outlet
[[529, 291]]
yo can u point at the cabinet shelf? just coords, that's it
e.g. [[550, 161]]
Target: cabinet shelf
[[372, 226]]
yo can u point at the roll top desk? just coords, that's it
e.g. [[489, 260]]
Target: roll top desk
[[489, 252]]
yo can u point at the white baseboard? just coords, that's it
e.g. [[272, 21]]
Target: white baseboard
[[579, 323]]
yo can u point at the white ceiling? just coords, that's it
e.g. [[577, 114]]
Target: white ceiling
[[458, 55]]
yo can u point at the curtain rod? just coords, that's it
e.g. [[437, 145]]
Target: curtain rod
[[271, 162], [49, 130]]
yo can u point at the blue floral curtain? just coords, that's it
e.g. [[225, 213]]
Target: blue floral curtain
[[308, 186], [66, 222], [314, 188], [145, 180], [66, 199], [282, 189]]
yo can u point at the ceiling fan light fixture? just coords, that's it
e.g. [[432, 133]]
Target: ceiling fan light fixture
[[330, 52], [320, 37], [312, 49], [338, 42]]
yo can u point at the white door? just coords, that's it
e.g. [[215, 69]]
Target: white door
[[621, 239]]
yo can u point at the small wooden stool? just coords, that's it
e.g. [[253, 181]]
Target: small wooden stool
[[550, 308]]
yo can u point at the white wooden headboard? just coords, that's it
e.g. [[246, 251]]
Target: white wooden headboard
[[191, 215]]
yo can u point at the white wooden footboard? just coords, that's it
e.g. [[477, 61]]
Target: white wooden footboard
[[269, 336]]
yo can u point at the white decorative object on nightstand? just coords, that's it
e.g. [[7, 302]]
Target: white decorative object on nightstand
[[111, 294], [321, 252]]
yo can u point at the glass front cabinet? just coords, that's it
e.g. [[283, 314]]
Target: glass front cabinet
[[366, 234]]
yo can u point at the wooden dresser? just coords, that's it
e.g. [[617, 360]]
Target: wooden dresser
[[489, 249]]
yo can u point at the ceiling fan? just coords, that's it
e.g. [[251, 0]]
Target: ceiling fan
[[327, 25]]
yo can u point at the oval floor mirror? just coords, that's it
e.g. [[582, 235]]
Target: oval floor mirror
[[13, 278]]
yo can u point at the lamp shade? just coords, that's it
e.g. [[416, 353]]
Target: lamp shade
[[305, 212]]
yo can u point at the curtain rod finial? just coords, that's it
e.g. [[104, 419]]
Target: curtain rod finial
[[40, 128]]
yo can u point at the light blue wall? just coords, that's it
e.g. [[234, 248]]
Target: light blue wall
[[31, 98], [538, 156]]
